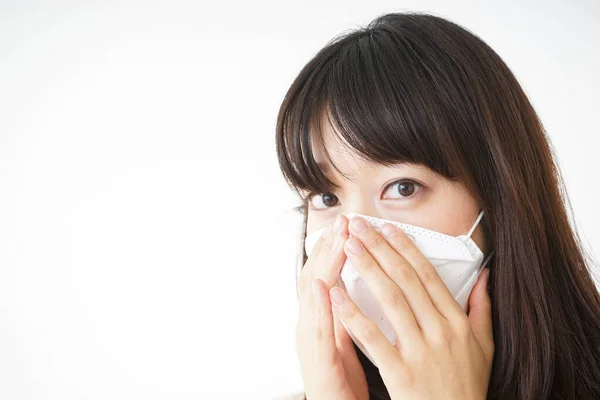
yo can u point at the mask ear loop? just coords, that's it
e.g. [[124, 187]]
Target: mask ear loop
[[475, 224], [487, 259]]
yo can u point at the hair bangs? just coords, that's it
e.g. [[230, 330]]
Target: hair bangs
[[381, 100]]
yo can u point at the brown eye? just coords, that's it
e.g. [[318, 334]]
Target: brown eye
[[406, 188], [322, 201], [403, 189]]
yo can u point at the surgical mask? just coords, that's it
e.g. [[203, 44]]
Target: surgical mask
[[457, 259]]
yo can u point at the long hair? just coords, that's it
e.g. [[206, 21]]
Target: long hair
[[414, 87]]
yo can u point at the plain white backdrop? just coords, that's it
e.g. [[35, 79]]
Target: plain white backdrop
[[145, 248]]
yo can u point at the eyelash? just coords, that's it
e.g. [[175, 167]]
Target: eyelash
[[418, 188]]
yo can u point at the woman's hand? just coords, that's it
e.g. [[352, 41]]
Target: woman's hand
[[329, 364], [440, 353]]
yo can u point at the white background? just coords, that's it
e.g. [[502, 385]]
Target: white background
[[143, 249]]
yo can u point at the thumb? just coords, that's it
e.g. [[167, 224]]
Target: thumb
[[480, 314]]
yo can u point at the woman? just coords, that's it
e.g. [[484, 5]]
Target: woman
[[416, 120]]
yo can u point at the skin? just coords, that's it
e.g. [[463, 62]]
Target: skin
[[438, 204], [441, 352]]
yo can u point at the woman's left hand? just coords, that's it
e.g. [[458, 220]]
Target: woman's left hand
[[441, 352]]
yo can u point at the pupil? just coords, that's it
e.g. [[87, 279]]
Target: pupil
[[329, 200], [406, 189]]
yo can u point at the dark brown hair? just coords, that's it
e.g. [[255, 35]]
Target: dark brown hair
[[414, 87]]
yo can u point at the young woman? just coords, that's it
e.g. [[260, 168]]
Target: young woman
[[415, 119]]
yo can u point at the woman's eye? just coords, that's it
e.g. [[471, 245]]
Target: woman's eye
[[403, 188], [323, 200]]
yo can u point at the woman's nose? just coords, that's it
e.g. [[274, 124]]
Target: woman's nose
[[360, 207]]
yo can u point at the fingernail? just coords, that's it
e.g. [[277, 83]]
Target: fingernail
[[338, 224], [336, 295], [388, 230], [354, 245], [358, 224]]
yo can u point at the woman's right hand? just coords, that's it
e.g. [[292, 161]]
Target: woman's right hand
[[329, 365]]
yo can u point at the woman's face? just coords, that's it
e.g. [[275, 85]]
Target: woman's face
[[407, 193]]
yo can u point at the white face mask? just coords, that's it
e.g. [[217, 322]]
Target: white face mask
[[457, 260]]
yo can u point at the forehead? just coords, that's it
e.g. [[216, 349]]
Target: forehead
[[334, 150], [339, 161]]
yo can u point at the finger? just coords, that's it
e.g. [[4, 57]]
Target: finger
[[320, 367], [353, 368], [435, 287], [323, 348], [399, 271], [325, 259], [365, 330], [342, 338], [305, 280], [321, 242], [386, 292], [480, 314], [331, 257]]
